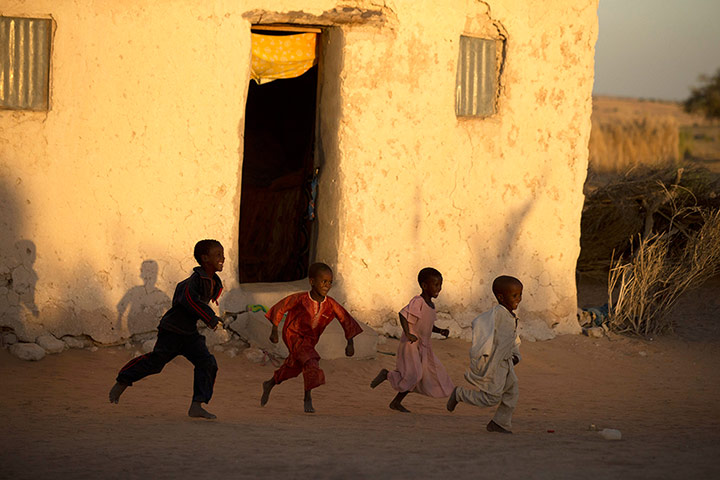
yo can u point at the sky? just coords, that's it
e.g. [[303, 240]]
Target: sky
[[656, 49]]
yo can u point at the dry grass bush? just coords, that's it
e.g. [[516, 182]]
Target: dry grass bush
[[643, 202], [643, 289], [619, 143]]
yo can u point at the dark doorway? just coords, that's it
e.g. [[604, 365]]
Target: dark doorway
[[277, 169]]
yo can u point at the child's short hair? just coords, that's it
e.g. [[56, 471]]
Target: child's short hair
[[203, 248], [501, 283], [426, 274], [318, 267]]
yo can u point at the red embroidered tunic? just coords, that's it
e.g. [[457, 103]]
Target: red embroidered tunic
[[306, 321]]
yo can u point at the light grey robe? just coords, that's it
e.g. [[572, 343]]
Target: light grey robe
[[495, 341]]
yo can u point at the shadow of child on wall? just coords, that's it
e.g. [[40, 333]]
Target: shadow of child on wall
[[24, 277], [18, 311], [140, 309]]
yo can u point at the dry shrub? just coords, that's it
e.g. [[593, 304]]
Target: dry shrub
[[643, 290], [619, 143], [643, 202]]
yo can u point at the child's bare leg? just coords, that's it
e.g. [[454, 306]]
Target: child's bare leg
[[396, 403], [452, 401], [267, 386], [197, 411], [308, 402], [381, 377], [116, 391]]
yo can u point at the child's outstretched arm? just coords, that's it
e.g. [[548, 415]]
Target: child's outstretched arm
[[278, 311], [274, 334], [442, 331], [406, 328], [349, 326]]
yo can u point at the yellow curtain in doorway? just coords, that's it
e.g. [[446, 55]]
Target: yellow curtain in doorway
[[281, 56]]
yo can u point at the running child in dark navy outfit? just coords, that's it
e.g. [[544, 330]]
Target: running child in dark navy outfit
[[178, 333]]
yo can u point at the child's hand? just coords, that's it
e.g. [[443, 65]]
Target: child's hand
[[350, 348], [412, 338], [515, 359], [219, 324], [274, 335]]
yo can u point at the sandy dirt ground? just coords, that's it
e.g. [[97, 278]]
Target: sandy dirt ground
[[663, 394]]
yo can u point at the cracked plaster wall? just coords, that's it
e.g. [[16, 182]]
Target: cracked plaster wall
[[412, 185], [140, 156]]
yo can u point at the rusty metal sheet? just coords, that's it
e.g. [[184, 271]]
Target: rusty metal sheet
[[25, 63]]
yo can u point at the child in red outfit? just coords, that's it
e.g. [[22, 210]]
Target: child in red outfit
[[308, 313]]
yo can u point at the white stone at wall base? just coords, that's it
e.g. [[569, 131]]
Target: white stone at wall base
[[73, 342], [9, 338], [390, 329], [534, 330], [51, 344], [255, 355], [594, 332], [257, 333], [27, 351], [141, 337], [215, 337], [332, 342], [239, 325], [22, 324], [147, 346]]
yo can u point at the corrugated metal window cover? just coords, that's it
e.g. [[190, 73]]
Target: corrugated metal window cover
[[24, 63], [476, 81]]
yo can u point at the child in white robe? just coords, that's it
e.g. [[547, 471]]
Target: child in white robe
[[493, 354]]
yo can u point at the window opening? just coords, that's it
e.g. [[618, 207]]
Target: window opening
[[25, 63], [476, 82]]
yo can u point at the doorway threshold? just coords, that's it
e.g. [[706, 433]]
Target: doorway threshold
[[268, 294]]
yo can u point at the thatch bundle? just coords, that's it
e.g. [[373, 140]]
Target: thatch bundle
[[643, 202], [657, 233], [643, 289]]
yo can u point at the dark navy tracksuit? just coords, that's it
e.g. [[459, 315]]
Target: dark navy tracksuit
[[178, 335]]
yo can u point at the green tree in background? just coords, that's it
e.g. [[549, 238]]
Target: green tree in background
[[706, 98]]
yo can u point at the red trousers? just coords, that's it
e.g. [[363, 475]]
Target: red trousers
[[303, 359]]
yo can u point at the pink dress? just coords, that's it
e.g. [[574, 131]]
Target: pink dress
[[418, 369]]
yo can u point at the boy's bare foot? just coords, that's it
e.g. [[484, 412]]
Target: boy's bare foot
[[267, 386], [308, 402], [381, 377], [452, 401], [494, 427], [116, 391], [197, 411], [399, 407]]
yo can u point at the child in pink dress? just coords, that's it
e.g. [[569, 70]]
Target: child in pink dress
[[418, 369]]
